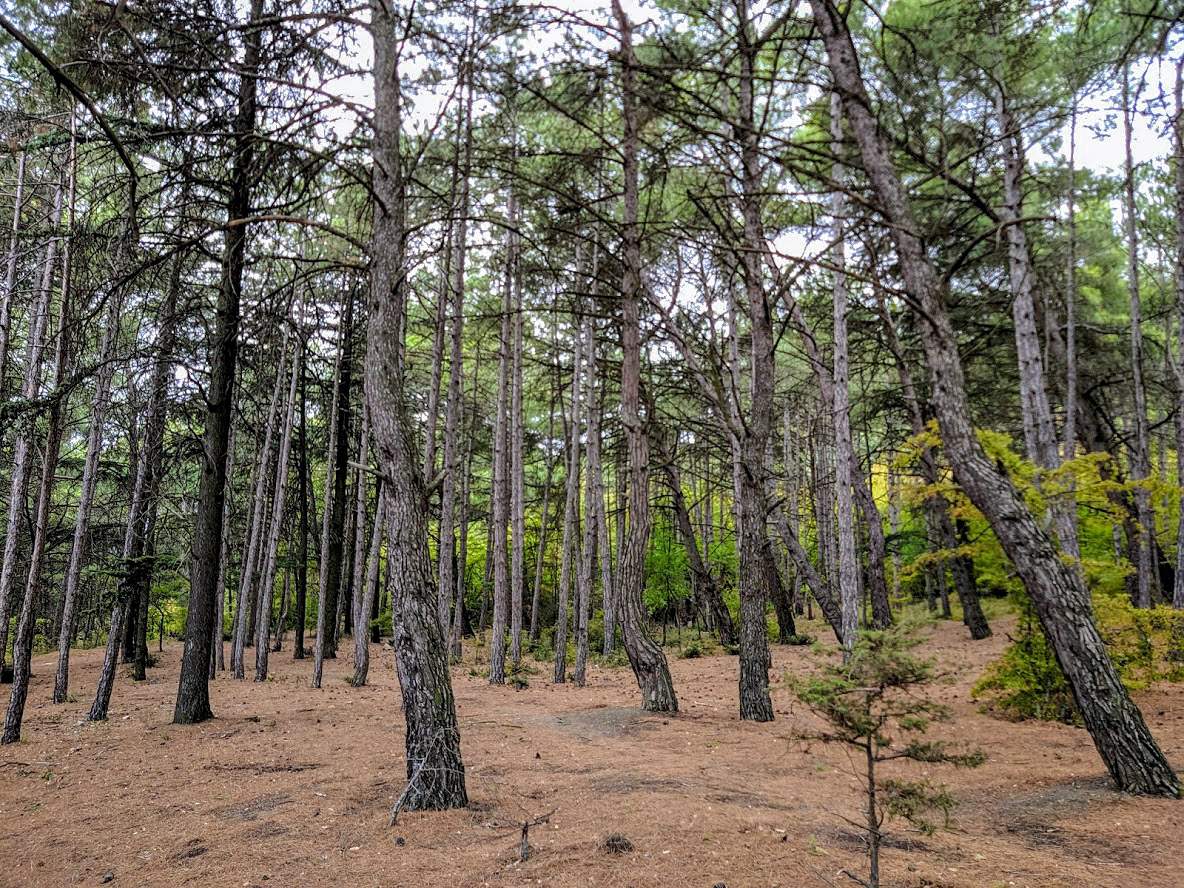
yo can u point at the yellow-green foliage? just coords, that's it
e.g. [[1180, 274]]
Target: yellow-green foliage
[[1147, 645]]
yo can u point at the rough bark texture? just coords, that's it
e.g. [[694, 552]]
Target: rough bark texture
[[1057, 593], [435, 770], [193, 691], [645, 656]]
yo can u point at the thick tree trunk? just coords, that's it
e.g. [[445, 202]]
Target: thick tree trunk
[[193, 691], [646, 658], [1058, 595], [435, 771]]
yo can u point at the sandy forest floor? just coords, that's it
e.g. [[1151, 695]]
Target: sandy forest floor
[[293, 787]]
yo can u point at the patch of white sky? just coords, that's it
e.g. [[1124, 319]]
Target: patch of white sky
[[578, 26]]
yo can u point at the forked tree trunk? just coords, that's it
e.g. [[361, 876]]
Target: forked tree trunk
[[645, 656], [1058, 595], [435, 771]]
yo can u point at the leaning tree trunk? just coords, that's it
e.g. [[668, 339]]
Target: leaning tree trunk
[[193, 689], [1058, 595], [22, 645], [10, 277], [645, 656], [435, 771], [22, 450]]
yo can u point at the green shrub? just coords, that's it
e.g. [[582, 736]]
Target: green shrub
[[692, 651]]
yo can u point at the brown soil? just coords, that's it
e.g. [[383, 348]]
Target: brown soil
[[293, 787]]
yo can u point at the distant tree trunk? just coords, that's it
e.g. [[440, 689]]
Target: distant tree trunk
[[588, 543], [256, 552], [841, 409], [218, 655], [646, 658], [193, 691], [362, 616], [621, 477], [435, 771], [541, 552], [1039, 430], [336, 573], [500, 497], [517, 468], [318, 657], [452, 420], [10, 276], [301, 604], [1178, 135], [90, 471], [571, 504], [22, 448], [937, 510], [361, 483], [1145, 575], [1058, 595], [22, 646], [272, 550], [708, 587]]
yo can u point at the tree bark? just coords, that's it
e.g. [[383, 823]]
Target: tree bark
[[646, 657], [193, 692], [435, 770]]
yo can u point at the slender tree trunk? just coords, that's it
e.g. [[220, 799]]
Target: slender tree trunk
[[301, 604], [841, 408], [1178, 135], [218, 656], [256, 553], [435, 771], [362, 615], [10, 276], [22, 646], [193, 691], [1058, 595], [1146, 579], [571, 505], [646, 658], [318, 656], [337, 575], [452, 420], [272, 550], [500, 498], [22, 450], [517, 466], [544, 511], [588, 544]]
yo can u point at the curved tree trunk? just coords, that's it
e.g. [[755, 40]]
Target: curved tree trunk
[[435, 770]]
